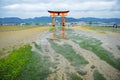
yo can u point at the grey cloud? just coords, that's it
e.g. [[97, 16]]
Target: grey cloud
[[78, 8]]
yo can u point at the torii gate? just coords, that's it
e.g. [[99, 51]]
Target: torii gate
[[53, 14]]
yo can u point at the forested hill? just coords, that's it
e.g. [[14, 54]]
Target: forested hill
[[48, 19]]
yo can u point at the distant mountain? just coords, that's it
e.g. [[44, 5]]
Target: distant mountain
[[38, 19], [11, 20], [48, 19], [91, 19]]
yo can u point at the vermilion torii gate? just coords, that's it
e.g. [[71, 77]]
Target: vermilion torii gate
[[53, 14]]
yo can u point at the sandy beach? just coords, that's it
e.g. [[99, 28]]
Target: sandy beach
[[13, 39]]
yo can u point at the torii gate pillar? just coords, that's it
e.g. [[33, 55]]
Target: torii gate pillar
[[53, 21], [62, 14], [63, 27]]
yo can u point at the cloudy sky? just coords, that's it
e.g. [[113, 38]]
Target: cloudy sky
[[78, 8]]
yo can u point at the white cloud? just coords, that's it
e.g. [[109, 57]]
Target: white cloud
[[25, 7], [86, 8], [45, 6]]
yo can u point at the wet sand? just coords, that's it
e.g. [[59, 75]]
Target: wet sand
[[14, 39]]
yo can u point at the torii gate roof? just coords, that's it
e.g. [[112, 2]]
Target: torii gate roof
[[58, 11]]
